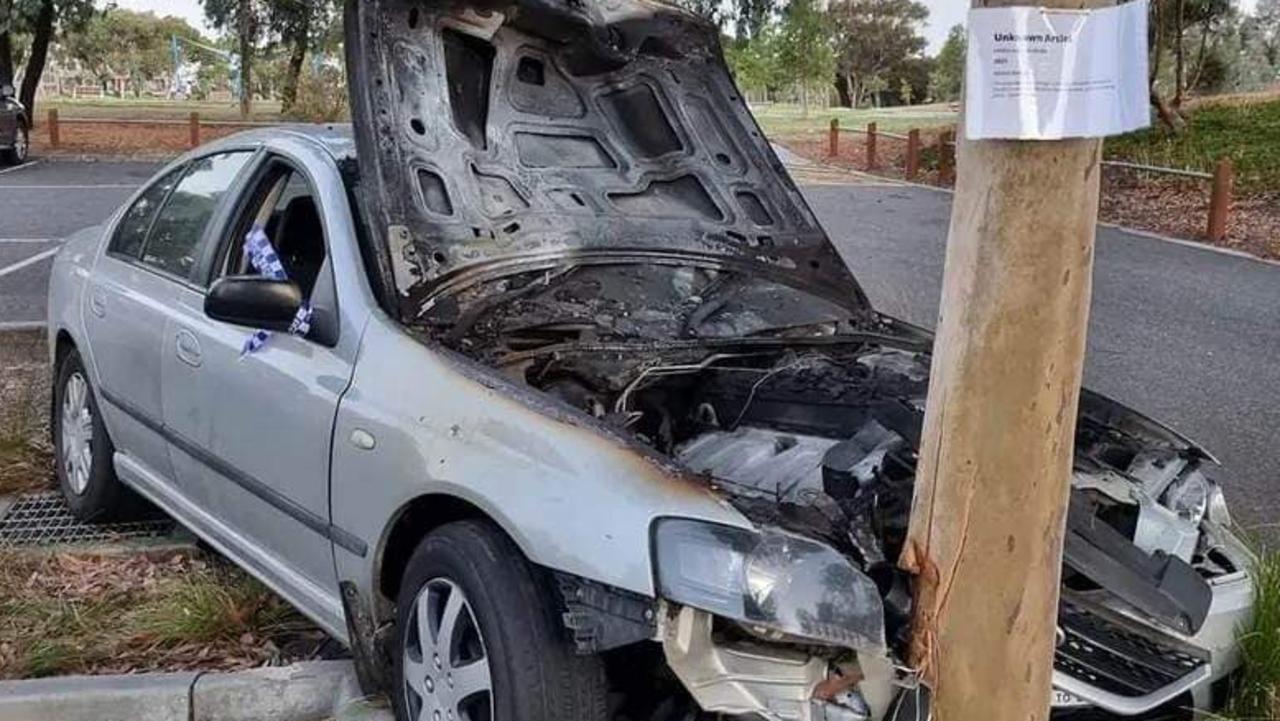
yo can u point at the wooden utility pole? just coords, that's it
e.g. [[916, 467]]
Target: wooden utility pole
[[991, 493]]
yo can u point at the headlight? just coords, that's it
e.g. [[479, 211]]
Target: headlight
[[770, 579]]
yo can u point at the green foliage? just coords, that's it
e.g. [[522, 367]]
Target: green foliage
[[322, 97], [1256, 691], [755, 63], [1246, 133], [875, 39], [905, 92], [947, 77], [804, 46]]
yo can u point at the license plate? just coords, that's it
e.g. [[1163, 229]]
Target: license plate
[[1062, 699]]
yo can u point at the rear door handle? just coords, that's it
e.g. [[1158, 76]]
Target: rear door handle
[[187, 348]]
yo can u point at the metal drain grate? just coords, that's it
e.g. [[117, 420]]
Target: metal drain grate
[[44, 520]]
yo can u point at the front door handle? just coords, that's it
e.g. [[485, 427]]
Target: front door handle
[[187, 348], [97, 302]]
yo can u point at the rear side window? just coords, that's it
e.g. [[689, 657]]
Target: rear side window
[[131, 233], [173, 245]]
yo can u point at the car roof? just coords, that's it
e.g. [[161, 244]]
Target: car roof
[[336, 139]]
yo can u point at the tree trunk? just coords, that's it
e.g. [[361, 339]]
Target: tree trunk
[[1204, 47], [1168, 116], [6, 59], [39, 57], [804, 98], [246, 58], [989, 515], [289, 93], [1179, 56]]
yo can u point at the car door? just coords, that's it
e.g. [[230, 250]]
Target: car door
[[123, 317], [252, 429]]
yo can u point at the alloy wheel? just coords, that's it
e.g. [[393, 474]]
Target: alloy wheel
[[446, 662], [76, 433], [21, 144]]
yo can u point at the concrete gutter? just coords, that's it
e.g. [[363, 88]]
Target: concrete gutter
[[311, 691]]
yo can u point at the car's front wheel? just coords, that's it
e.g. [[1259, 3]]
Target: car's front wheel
[[480, 640], [17, 154], [86, 476]]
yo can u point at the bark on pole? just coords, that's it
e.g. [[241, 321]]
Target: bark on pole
[[988, 520]]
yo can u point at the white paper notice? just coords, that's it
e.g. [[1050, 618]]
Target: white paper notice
[[1037, 73]]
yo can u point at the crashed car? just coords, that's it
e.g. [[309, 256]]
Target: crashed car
[[549, 397]]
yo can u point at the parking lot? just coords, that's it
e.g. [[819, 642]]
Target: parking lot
[[1185, 334], [41, 203]]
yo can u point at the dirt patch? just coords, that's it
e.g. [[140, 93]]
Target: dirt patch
[[1180, 208], [85, 614], [26, 457], [124, 138]]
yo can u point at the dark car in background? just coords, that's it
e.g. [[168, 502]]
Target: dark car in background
[[15, 140]]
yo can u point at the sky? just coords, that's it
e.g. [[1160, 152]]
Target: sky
[[942, 14]]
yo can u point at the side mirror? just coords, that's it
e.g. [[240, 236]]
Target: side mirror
[[254, 302]]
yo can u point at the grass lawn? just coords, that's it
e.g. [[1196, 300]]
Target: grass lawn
[[1248, 133], [779, 119]]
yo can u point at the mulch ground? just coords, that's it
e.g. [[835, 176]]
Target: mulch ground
[[26, 458], [1173, 207], [123, 138]]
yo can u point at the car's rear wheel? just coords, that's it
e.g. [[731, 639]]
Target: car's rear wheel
[[479, 638], [86, 476], [17, 154]]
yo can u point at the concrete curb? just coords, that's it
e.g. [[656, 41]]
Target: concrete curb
[[309, 691]]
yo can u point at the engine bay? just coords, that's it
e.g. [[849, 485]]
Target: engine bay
[[809, 419]]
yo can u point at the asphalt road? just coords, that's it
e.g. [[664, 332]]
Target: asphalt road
[[1187, 335]]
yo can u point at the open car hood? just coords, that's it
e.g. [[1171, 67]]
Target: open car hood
[[502, 136]]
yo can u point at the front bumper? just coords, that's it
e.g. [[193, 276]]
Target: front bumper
[[1108, 659]]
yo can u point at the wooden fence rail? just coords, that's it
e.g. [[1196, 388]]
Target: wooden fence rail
[[1222, 178], [194, 122]]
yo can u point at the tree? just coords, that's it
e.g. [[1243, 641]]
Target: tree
[[947, 78], [1171, 21], [874, 37], [755, 63], [751, 17], [905, 93], [804, 48], [40, 19], [123, 42]]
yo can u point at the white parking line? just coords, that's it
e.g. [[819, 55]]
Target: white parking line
[[102, 186], [29, 261], [16, 168], [33, 241]]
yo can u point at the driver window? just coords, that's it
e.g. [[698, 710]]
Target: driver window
[[286, 209]]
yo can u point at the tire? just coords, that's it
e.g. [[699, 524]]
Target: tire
[[533, 673], [86, 475], [17, 155]]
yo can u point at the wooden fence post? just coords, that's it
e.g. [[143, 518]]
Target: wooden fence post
[[913, 153], [195, 129], [1220, 200], [833, 139], [946, 157], [871, 146], [55, 136]]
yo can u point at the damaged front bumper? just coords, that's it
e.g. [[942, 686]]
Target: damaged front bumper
[[1108, 657]]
